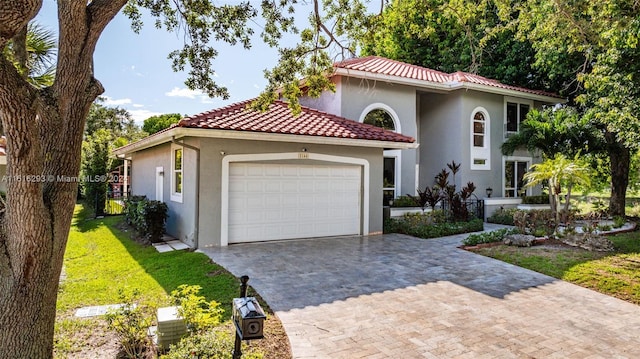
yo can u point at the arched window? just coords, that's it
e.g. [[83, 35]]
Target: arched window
[[480, 139], [479, 129], [380, 118]]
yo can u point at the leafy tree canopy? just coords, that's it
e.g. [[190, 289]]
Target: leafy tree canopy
[[117, 121], [158, 123], [468, 36]]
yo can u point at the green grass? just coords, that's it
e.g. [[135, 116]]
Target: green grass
[[100, 260], [616, 274]]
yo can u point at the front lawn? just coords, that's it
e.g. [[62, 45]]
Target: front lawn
[[616, 274], [101, 260]]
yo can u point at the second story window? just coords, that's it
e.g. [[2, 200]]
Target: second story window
[[516, 112], [380, 118], [479, 125], [480, 139]]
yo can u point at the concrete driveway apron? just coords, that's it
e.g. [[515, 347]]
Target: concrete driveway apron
[[403, 297]]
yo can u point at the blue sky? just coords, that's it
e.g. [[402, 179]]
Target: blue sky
[[137, 75]]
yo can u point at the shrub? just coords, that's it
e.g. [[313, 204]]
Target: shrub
[[131, 322], [538, 222], [153, 215], [198, 314], [502, 216], [423, 227], [146, 216], [207, 345], [538, 199], [488, 237], [604, 228], [131, 208], [404, 201], [618, 221]]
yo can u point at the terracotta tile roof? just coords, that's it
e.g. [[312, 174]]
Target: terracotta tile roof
[[384, 66], [477, 79], [279, 119]]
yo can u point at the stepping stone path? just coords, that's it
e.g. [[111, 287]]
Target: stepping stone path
[[86, 312], [169, 244]]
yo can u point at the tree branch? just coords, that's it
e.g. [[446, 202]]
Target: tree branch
[[15, 15], [100, 13]]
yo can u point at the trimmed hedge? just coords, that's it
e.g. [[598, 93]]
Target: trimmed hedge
[[538, 199], [503, 216], [404, 201], [430, 230], [148, 217]]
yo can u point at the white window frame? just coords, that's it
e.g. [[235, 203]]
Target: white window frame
[[176, 196], [397, 129], [505, 159], [397, 155], [484, 152], [517, 101]]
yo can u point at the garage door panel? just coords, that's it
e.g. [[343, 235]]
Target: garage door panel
[[276, 201]]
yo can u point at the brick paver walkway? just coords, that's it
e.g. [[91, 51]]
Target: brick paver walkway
[[398, 296]]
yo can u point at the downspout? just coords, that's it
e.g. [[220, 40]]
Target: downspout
[[196, 219]]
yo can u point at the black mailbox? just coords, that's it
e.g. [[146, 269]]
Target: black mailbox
[[248, 318]]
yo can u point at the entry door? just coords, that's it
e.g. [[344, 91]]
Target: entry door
[[285, 201]]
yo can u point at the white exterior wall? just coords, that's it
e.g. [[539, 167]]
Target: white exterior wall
[[143, 182], [360, 96]]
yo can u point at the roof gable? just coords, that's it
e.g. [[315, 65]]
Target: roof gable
[[387, 67], [279, 119]]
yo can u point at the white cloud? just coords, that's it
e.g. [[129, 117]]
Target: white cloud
[[140, 115], [108, 101], [138, 105], [184, 92], [190, 94]]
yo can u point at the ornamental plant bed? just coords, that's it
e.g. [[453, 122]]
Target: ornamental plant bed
[[480, 245], [612, 273]]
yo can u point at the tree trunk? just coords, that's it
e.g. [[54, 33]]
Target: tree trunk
[[44, 136], [35, 227], [620, 158]]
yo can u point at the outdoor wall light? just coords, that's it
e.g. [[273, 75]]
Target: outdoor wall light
[[489, 191], [222, 153], [304, 149]]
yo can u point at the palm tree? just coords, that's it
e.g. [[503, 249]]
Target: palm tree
[[552, 131], [39, 65], [38, 68], [559, 172]]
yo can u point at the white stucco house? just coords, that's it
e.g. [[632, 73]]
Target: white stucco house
[[235, 175]]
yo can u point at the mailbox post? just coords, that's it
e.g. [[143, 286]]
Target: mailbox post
[[248, 318]]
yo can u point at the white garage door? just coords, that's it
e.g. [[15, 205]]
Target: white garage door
[[278, 201]]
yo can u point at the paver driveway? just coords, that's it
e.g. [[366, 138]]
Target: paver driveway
[[403, 297]]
